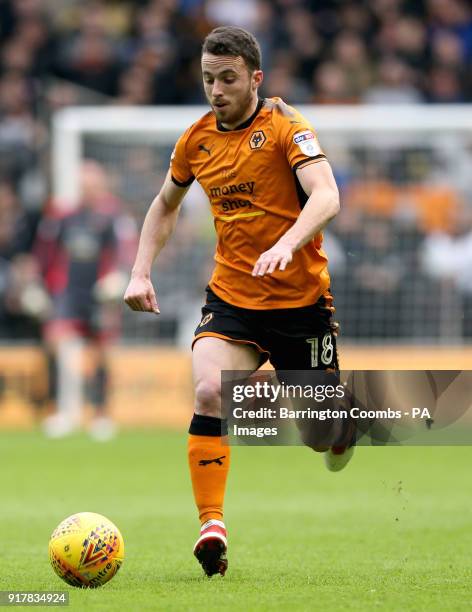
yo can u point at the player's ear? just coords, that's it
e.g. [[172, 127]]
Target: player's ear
[[257, 78]]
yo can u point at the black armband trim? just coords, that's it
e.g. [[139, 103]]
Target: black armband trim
[[182, 184], [319, 157]]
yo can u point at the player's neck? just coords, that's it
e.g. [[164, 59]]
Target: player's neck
[[251, 109]]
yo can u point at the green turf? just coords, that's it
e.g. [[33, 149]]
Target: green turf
[[391, 532]]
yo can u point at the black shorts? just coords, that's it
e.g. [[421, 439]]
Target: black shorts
[[291, 338]]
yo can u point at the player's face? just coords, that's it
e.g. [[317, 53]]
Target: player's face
[[230, 88]]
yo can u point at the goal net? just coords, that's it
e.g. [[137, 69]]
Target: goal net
[[400, 251]]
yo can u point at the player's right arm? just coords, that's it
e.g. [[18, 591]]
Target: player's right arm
[[158, 226]]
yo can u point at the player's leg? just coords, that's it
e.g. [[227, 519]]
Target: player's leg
[[102, 427], [64, 347], [97, 387], [305, 340], [208, 449], [103, 323]]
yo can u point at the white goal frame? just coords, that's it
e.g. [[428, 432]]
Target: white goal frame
[[165, 124]]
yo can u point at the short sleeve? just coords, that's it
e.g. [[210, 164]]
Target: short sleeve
[[297, 138], [180, 169]]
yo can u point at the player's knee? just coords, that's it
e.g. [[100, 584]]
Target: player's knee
[[208, 397]]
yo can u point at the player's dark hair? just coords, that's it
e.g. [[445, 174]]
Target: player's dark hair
[[233, 41]]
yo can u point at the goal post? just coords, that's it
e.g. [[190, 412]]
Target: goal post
[[166, 123], [404, 176]]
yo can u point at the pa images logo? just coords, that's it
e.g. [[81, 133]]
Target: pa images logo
[[257, 140]]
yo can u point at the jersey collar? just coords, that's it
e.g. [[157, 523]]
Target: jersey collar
[[245, 124]]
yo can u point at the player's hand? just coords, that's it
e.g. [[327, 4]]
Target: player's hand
[[280, 255], [140, 295]]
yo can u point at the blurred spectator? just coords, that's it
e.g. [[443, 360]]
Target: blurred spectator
[[282, 82], [374, 283], [88, 56], [373, 192], [447, 257], [33, 35], [447, 50], [381, 50], [454, 16], [303, 42], [331, 85], [410, 43], [445, 86], [268, 31], [356, 18], [395, 84], [17, 126], [16, 57], [23, 301], [135, 87], [349, 50]]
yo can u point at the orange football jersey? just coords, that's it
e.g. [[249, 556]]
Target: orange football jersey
[[249, 176]]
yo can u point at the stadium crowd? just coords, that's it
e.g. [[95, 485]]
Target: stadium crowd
[[146, 52]]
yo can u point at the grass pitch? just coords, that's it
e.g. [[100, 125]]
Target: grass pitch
[[391, 532]]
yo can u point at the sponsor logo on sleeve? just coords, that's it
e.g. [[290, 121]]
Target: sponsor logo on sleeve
[[307, 143]]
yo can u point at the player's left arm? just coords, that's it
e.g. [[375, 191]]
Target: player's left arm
[[322, 205]]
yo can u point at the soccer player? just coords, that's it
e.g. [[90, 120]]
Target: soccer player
[[271, 192], [81, 254]]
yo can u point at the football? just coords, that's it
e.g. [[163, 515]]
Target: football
[[86, 550]]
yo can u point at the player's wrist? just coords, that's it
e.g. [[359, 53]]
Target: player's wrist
[[136, 273], [288, 243]]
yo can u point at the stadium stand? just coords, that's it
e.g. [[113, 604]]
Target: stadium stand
[[323, 52]]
